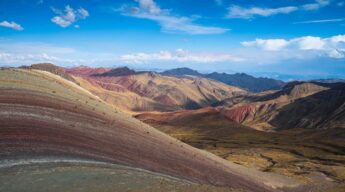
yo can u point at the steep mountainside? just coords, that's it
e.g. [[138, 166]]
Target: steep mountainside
[[45, 118], [259, 110], [325, 109], [150, 91], [242, 80]]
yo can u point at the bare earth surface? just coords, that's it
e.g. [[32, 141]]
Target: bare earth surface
[[44, 115], [315, 158]]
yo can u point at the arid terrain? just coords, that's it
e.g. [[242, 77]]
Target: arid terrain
[[151, 91], [172, 96], [103, 129]]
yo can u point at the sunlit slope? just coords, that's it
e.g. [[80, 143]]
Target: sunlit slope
[[43, 115], [122, 98], [150, 91]]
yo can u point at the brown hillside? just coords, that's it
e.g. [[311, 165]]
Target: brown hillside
[[45, 116], [151, 91]]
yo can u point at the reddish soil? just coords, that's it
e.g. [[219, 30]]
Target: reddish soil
[[86, 71], [40, 124], [239, 114]]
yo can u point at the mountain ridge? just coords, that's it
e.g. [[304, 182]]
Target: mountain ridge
[[150, 90], [242, 80]]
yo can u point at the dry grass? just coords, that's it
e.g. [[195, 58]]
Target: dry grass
[[299, 154]]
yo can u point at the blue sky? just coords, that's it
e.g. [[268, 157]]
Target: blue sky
[[298, 37]]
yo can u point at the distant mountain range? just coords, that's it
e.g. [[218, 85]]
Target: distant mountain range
[[242, 80]]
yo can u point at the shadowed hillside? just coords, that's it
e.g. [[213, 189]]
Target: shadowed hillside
[[259, 110], [325, 109]]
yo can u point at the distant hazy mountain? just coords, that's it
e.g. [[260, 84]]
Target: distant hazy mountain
[[329, 80], [247, 82], [121, 71], [182, 71], [241, 80]]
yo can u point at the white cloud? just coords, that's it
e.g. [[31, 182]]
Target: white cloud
[[235, 11], [248, 13], [332, 47], [149, 5], [270, 44], [338, 39], [317, 5], [13, 58], [148, 9], [309, 43], [321, 21], [179, 55], [83, 13], [69, 16], [12, 53], [11, 25], [337, 54]]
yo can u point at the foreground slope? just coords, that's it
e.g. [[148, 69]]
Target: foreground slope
[[44, 116], [91, 177]]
